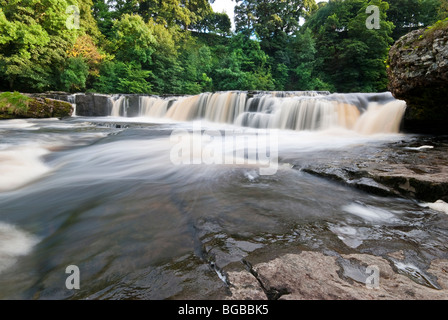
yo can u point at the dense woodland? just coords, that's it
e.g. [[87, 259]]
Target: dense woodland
[[183, 47]]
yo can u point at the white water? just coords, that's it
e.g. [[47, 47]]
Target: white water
[[14, 243], [369, 213], [120, 106], [153, 107], [439, 205], [116, 204], [21, 165], [22, 156], [300, 111]]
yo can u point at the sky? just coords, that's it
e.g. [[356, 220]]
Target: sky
[[224, 5], [228, 6]]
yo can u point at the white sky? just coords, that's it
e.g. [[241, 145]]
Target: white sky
[[224, 5], [228, 6]]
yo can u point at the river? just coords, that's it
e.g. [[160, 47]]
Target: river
[[157, 207]]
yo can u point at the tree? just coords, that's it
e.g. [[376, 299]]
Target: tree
[[214, 22], [74, 77], [120, 77], [244, 66], [175, 12], [133, 40], [104, 17], [271, 20], [132, 78], [408, 15], [88, 23], [304, 75], [350, 56], [166, 65], [32, 41], [198, 65], [85, 49]]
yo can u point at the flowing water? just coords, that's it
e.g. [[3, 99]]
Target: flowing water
[[142, 221]]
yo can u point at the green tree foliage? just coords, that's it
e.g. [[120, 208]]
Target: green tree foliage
[[174, 12], [104, 17], [119, 77], [351, 56], [408, 15], [271, 21], [183, 47], [133, 40], [33, 36], [74, 76], [214, 22], [304, 75], [243, 67]]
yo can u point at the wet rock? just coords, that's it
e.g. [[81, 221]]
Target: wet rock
[[418, 74], [316, 276], [55, 95], [93, 105], [43, 108], [244, 286], [439, 205], [408, 169], [360, 179]]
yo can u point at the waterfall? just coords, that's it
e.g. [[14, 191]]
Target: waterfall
[[120, 106], [72, 100], [364, 113], [153, 107]]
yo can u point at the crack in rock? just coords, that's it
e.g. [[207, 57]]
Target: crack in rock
[[315, 276]]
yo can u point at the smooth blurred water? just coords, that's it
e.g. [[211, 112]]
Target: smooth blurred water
[[104, 195]]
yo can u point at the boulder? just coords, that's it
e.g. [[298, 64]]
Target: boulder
[[93, 105], [317, 276], [418, 74], [42, 108]]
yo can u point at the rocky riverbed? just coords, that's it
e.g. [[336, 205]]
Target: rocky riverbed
[[318, 276], [414, 169]]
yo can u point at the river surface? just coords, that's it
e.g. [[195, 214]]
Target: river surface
[[142, 218]]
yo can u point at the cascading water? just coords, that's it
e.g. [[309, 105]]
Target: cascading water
[[299, 111], [150, 203], [153, 107], [120, 106]]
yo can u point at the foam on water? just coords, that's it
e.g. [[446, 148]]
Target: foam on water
[[17, 124], [20, 165], [439, 205], [419, 148], [14, 243], [369, 213]]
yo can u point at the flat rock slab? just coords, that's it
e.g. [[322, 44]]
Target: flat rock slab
[[409, 169], [316, 276]]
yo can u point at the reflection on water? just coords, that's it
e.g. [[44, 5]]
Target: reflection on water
[[108, 199]]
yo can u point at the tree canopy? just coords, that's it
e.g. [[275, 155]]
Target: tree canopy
[[184, 47]]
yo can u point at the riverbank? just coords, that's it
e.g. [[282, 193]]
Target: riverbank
[[414, 169], [311, 275], [161, 231], [308, 232], [23, 106]]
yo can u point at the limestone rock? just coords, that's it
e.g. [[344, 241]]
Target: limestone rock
[[43, 108], [316, 276], [418, 74]]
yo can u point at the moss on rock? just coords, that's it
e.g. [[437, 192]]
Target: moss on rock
[[40, 108], [418, 74]]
